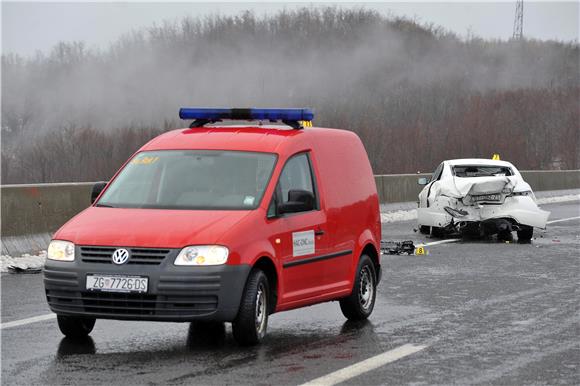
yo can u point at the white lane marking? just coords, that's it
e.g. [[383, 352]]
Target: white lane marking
[[563, 219], [365, 366], [439, 242], [22, 322]]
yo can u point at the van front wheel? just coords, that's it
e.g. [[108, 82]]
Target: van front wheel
[[250, 325], [360, 303], [75, 327]]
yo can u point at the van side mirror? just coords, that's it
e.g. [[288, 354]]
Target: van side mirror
[[97, 189], [423, 181], [298, 201]]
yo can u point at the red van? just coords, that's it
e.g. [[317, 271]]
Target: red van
[[219, 223]]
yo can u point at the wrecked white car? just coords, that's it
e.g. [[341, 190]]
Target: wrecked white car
[[478, 197]]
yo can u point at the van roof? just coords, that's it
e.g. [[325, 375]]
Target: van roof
[[266, 138]]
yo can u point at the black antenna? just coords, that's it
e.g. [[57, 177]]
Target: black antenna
[[519, 21]]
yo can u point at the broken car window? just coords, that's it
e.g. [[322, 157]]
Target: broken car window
[[481, 171], [437, 173]]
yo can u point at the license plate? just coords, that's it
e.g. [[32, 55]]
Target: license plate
[[117, 283], [488, 197]]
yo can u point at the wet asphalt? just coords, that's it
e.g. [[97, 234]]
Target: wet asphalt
[[490, 312]]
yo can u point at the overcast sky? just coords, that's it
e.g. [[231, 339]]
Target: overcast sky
[[28, 27]]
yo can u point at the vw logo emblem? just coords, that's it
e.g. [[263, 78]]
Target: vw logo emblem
[[120, 256]]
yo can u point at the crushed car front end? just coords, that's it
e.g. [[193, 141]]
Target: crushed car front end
[[495, 204]]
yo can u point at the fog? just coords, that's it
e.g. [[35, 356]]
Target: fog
[[353, 66]]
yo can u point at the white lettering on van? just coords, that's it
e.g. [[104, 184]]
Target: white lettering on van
[[302, 243]]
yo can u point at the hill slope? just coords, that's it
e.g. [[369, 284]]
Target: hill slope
[[415, 94]]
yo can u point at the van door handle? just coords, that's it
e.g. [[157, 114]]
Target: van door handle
[[318, 232]]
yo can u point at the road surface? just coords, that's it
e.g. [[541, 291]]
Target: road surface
[[470, 312]]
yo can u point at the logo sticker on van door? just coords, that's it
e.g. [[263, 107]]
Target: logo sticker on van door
[[302, 243]]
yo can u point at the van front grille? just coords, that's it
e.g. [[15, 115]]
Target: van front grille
[[144, 256]]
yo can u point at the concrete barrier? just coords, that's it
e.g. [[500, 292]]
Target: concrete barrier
[[541, 180], [398, 187], [30, 213]]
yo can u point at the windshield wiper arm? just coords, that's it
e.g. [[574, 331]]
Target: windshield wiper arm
[[104, 206]]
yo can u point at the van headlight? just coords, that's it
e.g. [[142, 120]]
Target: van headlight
[[202, 255], [61, 250]]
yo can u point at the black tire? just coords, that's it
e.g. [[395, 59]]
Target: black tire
[[360, 303], [437, 232], [505, 236], [525, 233], [424, 229], [251, 323], [74, 326]]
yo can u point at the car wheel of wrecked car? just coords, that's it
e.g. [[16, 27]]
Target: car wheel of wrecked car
[[437, 232], [525, 233], [424, 229], [360, 303], [505, 236], [250, 325], [75, 327]]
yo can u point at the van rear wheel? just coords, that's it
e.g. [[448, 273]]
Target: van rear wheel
[[251, 323], [74, 326], [360, 303]]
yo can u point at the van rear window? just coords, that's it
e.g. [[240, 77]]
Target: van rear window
[[191, 179]]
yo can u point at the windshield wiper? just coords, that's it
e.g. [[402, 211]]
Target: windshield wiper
[[104, 206]]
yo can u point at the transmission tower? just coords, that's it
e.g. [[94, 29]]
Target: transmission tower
[[519, 20]]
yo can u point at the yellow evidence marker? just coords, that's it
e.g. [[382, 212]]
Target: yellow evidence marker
[[420, 250], [495, 157]]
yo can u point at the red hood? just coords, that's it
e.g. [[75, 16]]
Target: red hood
[[154, 228]]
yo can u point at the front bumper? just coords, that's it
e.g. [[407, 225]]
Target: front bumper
[[175, 293]]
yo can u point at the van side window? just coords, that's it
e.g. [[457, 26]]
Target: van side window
[[296, 176]]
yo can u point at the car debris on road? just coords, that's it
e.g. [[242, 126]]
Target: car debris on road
[[16, 269], [397, 247]]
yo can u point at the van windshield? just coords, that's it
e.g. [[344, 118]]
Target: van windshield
[[191, 179]]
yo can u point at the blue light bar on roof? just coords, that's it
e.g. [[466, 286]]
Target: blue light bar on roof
[[247, 114]]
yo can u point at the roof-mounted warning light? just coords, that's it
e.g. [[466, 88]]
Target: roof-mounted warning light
[[202, 116]]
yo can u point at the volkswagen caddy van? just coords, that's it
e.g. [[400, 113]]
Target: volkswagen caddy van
[[218, 223]]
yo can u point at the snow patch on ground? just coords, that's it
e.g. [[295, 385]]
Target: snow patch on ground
[[399, 215], [23, 262], [566, 198]]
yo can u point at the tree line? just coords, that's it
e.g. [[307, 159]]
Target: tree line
[[416, 94]]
